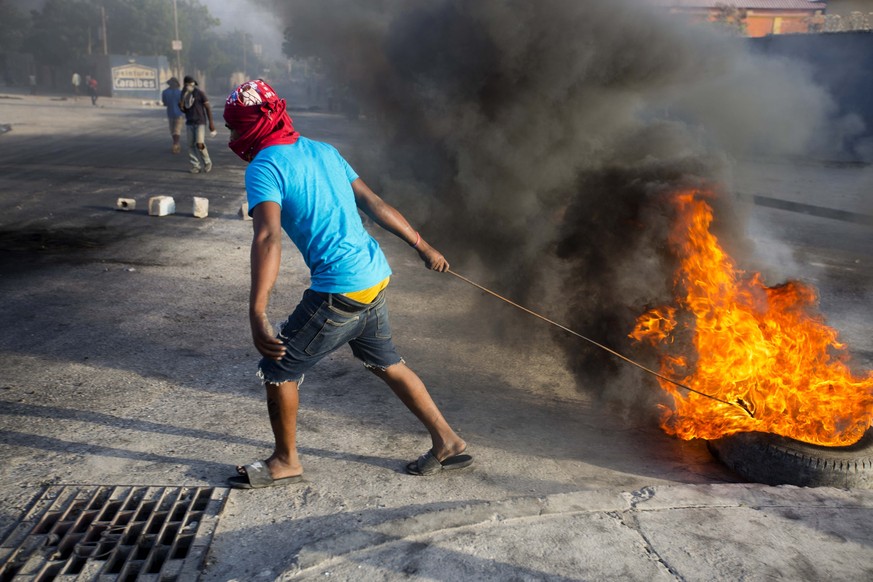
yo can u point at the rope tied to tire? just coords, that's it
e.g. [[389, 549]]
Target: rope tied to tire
[[739, 402]]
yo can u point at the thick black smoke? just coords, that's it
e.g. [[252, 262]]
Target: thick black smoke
[[539, 141]]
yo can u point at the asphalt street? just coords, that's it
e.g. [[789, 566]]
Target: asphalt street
[[126, 368]]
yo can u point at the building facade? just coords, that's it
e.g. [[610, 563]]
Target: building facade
[[755, 18]]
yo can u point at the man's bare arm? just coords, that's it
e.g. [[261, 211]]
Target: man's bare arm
[[266, 257], [391, 220], [208, 109]]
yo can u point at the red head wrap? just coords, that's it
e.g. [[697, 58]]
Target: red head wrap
[[257, 114]]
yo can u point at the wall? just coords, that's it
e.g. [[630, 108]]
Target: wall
[[764, 23], [845, 7], [141, 77]]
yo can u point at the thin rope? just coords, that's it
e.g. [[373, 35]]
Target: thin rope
[[739, 403]]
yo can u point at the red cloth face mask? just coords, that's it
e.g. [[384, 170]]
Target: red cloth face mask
[[258, 115]]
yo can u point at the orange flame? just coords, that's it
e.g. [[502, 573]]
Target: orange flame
[[765, 346]]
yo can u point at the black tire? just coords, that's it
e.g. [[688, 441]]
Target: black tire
[[776, 460]]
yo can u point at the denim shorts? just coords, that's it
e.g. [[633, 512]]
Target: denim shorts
[[324, 322]]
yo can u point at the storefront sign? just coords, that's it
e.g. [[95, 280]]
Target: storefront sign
[[134, 77]]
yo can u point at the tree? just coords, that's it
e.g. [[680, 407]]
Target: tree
[[731, 19], [14, 28], [142, 27], [61, 31]]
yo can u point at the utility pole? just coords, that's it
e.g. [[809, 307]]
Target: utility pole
[[103, 26], [177, 44]]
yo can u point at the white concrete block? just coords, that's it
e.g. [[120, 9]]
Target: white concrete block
[[201, 207], [244, 211], [161, 205], [126, 204]]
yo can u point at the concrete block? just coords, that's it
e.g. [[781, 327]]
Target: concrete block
[[244, 211], [201, 207], [161, 205], [126, 204]]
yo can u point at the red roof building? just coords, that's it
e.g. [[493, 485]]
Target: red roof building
[[755, 17]]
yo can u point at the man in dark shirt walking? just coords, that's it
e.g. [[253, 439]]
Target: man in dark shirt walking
[[195, 105]]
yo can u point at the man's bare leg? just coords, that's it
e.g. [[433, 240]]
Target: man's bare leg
[[412, 392], [282, 404]]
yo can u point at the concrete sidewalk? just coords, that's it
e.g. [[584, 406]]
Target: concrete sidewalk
[[707, 532]]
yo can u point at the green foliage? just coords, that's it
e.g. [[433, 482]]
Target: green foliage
[[200, 40], [141, 27], [60, 31], [730, 19], [14, 28], [64, 31]]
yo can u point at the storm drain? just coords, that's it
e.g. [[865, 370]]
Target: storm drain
[[113, 533]]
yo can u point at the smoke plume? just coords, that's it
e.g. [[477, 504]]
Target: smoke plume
[[535, 143], [251, 17]]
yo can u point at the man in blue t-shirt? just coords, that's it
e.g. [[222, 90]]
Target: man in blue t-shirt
[[308, 190], [170, 97]]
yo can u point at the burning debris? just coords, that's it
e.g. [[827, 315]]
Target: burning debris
[[729, 335]]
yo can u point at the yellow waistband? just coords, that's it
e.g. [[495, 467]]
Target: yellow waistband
[[367, 295]]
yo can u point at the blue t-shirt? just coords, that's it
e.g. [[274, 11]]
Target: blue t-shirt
[[170, 97], [312, 183]]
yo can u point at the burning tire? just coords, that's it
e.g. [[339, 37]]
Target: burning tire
[[776, 460]]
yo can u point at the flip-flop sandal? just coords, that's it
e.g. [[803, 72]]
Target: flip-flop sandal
[[257, 476], [427, 464]]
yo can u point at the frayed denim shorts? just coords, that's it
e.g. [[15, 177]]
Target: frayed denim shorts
[[323, 323]]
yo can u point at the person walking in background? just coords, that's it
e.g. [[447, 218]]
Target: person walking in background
[[195, 105], [76, 82], [308, 190], [92, 89], [170, 97]]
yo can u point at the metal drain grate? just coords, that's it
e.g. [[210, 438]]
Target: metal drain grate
[[112, 533]]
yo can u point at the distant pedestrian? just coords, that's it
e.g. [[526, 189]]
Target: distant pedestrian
[[92, 89], [170, 97], [195, 105], [77, 82], [32, 81]]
